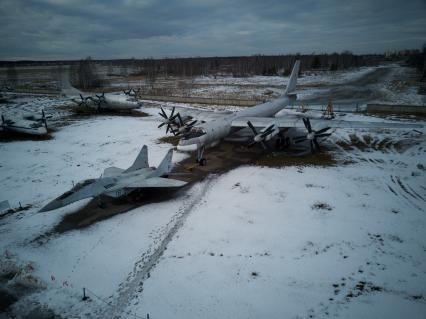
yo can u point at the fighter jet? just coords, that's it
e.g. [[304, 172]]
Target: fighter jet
[[29, 124], [116, 182]]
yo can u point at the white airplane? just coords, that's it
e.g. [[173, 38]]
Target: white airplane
[[108, 101], [116, 182], [266, 121], [29, 124]]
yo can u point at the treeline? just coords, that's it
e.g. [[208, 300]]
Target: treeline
[[418, 60], [250, 65]]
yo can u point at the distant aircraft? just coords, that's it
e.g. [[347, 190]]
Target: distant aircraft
[[29, 124], [109, 101], [116, 182], [4, 206], [200, 130]]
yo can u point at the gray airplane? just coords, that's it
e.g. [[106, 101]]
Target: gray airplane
[[116, 182], [108, 101], [200, 130], [31, 124]]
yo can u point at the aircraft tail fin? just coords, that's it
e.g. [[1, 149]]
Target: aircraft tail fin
[[165, 166], [293, 78], [66, 88], [141, 160]]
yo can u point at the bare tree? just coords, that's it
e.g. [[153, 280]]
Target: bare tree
[[87, 75]]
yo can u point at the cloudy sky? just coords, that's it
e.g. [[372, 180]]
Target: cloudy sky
[[72, 29]]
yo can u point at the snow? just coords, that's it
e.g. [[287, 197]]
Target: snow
[[253, 242], [261, 220], [323, 77]]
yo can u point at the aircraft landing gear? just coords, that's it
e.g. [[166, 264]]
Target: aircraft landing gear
[[100, 203], [282, 143], [200, 159]]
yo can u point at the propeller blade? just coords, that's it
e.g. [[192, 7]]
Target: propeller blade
[[308, 125], [317, 145], [265, 146], [268, 131], [322, 130], [180, 119], [323, 135], [312, 146], [192, 123], [299, 140], [252, 128], [163, 113]]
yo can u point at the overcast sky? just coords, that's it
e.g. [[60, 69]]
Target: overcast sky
[[72, 29]]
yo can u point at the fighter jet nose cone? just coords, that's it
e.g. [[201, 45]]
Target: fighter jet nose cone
[[51, 206]]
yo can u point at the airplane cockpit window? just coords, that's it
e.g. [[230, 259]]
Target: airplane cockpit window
[[194, 132]]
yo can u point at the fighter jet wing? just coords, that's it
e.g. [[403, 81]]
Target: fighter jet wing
[[153, 182], [296, 122], [112, 171]]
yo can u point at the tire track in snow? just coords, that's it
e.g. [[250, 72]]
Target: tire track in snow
[[147, 263]]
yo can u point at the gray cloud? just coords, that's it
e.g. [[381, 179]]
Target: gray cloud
[[65, 29]]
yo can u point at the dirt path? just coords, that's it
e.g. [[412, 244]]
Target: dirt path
[[361, 90], [133, 285]]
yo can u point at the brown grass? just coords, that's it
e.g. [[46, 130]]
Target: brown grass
[[174, 140], [281, 160]]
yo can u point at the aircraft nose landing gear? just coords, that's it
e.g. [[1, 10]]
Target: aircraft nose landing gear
[[200, 159]]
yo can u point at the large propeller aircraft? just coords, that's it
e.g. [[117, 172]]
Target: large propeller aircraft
[[266, 121], [116, 182], [31, 124], [104, 101]]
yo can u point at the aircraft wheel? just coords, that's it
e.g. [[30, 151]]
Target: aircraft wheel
[[203, 162]]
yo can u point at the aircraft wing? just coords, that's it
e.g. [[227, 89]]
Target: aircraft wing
[[153, 182], [24, 126], [197, 113], [296, 122], [112, 171]]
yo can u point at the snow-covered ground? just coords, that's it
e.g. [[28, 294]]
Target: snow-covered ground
[[344, 241]]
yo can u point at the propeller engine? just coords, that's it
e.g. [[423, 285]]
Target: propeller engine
[[83, 101], [312, 136], [132, 92], [170, 121], [263, 136], [100, 99], [183, 128]]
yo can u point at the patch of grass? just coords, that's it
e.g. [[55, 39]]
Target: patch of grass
[[85, 111], [281, 160], [322, 206], [14, 136], [174, 140]]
